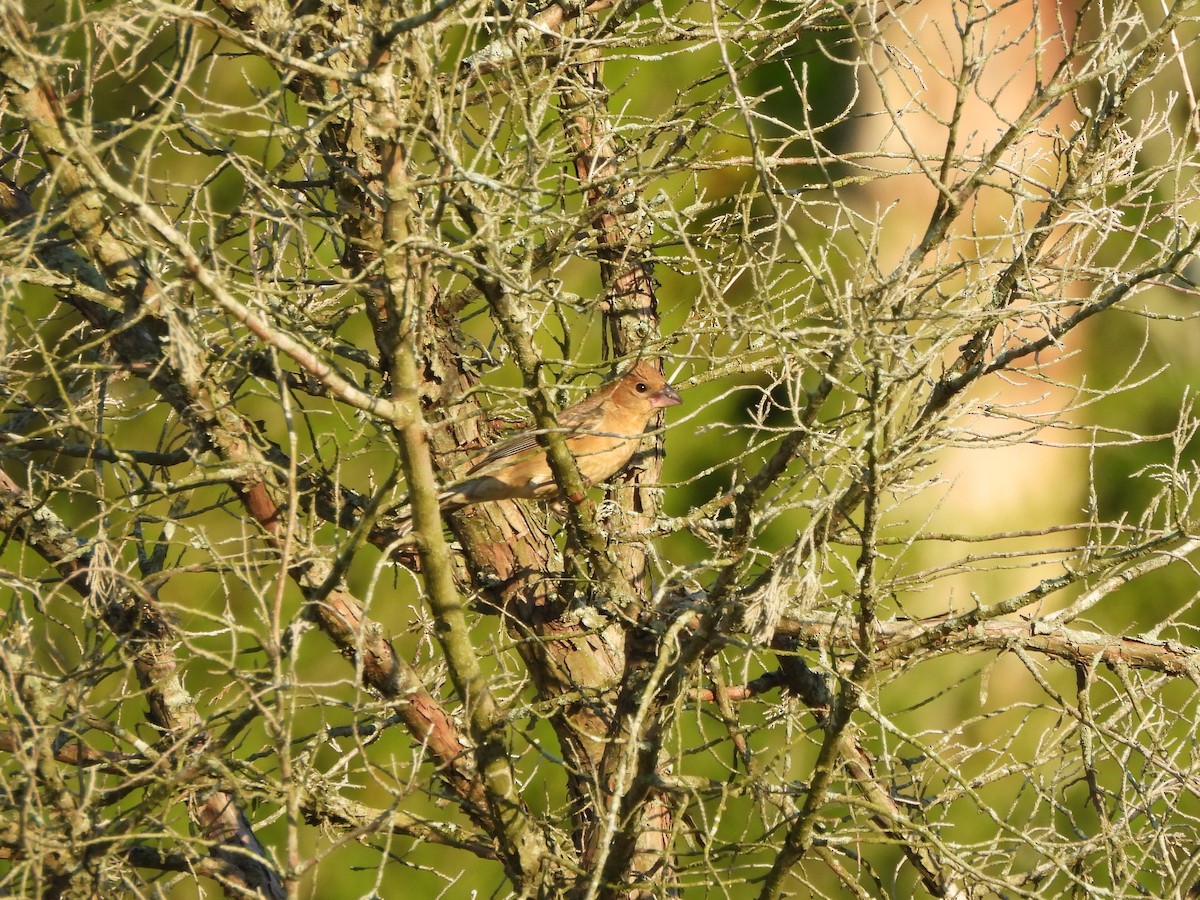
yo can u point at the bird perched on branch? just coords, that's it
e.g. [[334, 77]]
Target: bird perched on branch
[[603, 431]]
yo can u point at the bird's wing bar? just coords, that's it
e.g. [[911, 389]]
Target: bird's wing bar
[[506, 450], [571, 421], [527, 442]]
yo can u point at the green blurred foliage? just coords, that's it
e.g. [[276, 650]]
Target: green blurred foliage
[[955, 703]]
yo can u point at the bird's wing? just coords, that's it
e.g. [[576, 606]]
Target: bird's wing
[[506, 450], [583, 416]]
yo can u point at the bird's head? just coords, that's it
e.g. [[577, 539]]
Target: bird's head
[[643, 386]]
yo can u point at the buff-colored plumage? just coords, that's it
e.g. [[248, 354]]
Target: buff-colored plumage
[[603, 432]]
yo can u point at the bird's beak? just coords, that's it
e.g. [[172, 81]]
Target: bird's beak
[[667, 396]]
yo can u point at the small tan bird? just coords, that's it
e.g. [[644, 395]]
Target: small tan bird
[[603, 431]]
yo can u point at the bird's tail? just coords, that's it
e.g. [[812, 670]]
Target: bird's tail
[[449, 500]]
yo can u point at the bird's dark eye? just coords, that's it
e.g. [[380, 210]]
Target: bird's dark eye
[[641, 387]]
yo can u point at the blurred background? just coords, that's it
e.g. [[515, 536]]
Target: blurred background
[[788, 168]]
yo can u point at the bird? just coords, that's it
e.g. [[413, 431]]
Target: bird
[[602, 431]]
